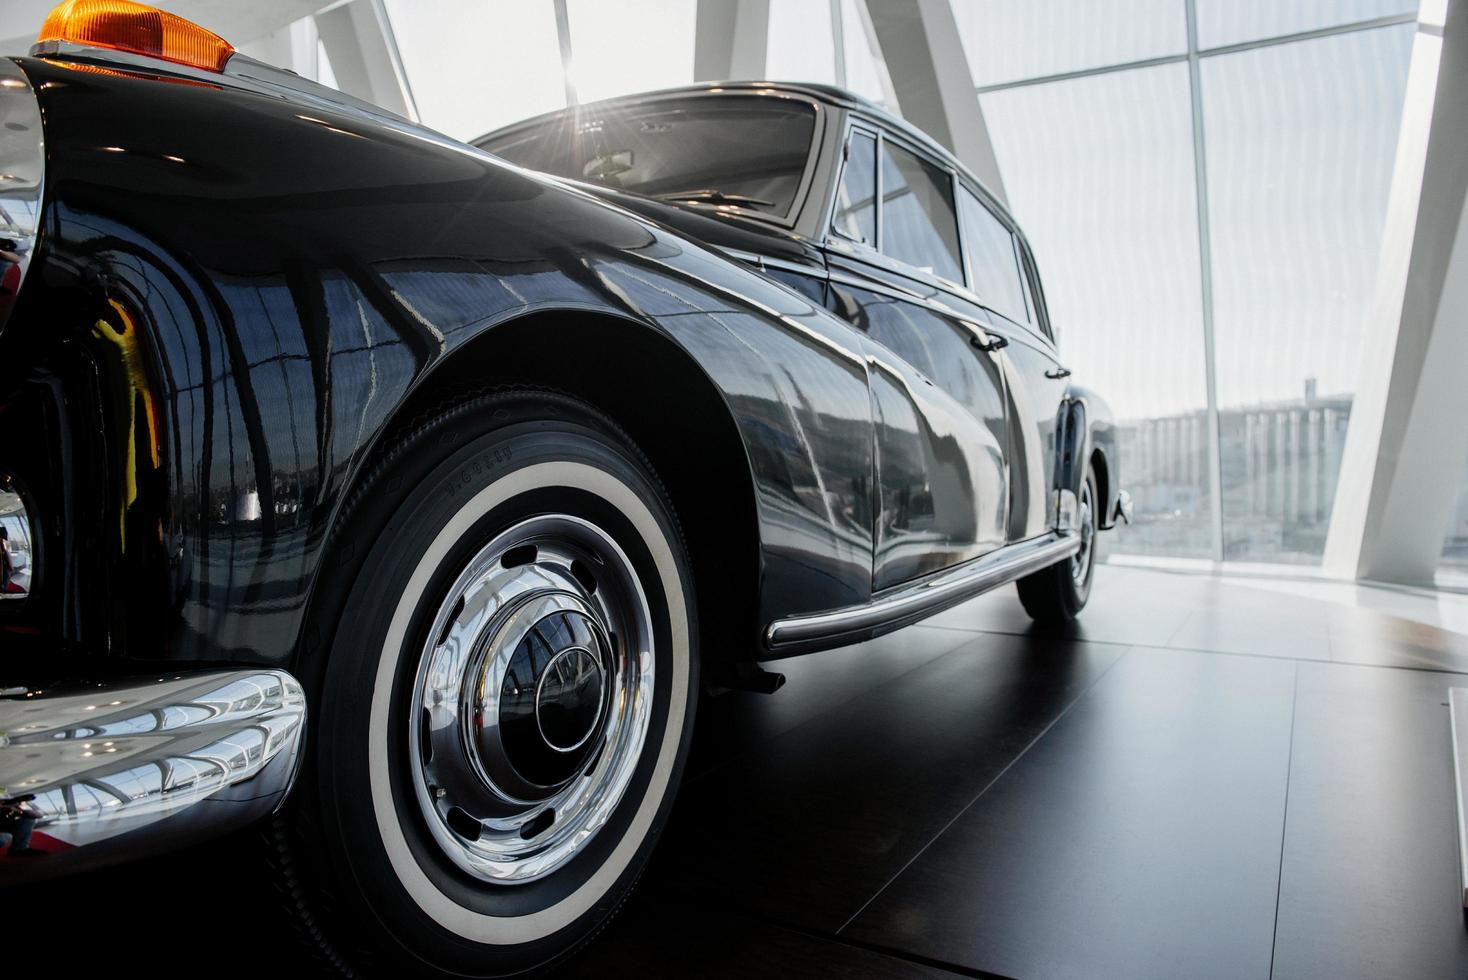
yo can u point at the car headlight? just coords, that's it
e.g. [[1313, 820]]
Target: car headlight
[[22, 176]]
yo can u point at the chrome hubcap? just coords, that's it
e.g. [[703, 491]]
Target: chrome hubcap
[[1080, 564], [531, 703]]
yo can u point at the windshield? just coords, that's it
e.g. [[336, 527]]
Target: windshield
[[744, 151]]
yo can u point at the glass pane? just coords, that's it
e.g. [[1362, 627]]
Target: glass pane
[[801, 44], [1301, 141], [1454, 564], [1235, 21], [918, 224], [993, 268], [856, 197], [1008, 40], [629, 46], [500, 63], [1099, 173], [749, 151]]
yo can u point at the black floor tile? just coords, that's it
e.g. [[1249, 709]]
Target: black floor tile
[[1126, 607], [1140, 837], [811, 825], [656, 937], [735, 721], [1369, 881]]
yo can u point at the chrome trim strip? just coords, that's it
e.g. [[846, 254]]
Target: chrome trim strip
[[909, 603], [115, 770]]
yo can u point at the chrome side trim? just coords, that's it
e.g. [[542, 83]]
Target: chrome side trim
[[121, 769], [910, 603]]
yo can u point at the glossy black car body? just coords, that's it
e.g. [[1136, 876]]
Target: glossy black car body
[[242, 286], [278, 290], [981, 438]]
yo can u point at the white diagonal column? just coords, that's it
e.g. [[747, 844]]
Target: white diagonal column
[[730, 40], [364, 56], [931, 76], [1409, 425]]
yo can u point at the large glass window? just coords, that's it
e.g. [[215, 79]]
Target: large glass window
[[1007, 40], [1223, 22], [993, 263], [1300, 161], [918, 223], [501, 62], [802, 42], [603, 62], [866, 72], [1099, 172], [856, 195], [746, 151], [1454, 565]]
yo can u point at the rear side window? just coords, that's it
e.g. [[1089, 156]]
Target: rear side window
[[993, 260], [743, 151], [918, 223], [856, 196]]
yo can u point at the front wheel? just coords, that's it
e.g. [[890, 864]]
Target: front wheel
[[1057, 594], [506, 704]]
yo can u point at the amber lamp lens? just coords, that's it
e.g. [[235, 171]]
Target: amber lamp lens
[[125, 26]]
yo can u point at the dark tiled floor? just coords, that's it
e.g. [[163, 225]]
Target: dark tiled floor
[[1196, 779]]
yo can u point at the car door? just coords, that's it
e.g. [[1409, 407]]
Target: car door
[[1002, 276], [939, 401]]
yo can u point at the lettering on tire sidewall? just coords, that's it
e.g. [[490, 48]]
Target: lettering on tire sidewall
[[473, 472]]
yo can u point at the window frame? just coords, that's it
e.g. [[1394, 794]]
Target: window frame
[[1022, 278], [875, 134], [1039, 325], [883, 136], [574, 115]]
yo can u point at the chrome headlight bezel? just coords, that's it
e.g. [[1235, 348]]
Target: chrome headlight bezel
[[22, 180]]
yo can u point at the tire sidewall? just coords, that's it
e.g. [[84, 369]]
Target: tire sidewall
[[1080, 592], [431, 515]]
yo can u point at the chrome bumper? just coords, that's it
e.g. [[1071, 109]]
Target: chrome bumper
[[119, 770]]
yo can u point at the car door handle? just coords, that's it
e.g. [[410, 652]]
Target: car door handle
[[984, 341], [1056, 373]]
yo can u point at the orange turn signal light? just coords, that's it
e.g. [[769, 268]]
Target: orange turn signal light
[[137, 28]]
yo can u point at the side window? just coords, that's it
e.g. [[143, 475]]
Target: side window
[[918, 225], [1034, 293], [856, 197], [993, 262]]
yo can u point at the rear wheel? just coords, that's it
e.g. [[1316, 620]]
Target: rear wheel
[[504, 710], [1057, 594]]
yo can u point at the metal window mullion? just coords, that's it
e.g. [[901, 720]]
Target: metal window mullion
[[1313, 34], [563, 38], [394, 57], [1205, 263], [878, 219], [838, 40]]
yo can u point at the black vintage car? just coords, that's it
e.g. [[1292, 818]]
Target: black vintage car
[[401, 501]]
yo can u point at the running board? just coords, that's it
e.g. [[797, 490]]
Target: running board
[[907, 604]]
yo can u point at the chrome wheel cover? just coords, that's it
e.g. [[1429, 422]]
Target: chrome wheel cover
[[1080, 563], [532, 699]]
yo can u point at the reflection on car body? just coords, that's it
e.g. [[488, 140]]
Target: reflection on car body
[[319, 422]]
